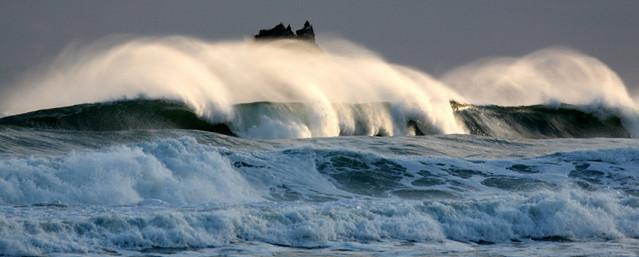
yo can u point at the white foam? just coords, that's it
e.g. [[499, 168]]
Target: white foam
[[176, 171], [185, 193], [575, 215]]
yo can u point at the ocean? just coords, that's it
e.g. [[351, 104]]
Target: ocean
[[180, 147]]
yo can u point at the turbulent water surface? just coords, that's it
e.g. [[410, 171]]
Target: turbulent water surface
[[200, 193], [180, 147]]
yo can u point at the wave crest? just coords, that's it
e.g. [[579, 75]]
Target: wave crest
[[338, 86]]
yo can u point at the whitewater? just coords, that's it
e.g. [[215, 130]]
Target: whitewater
[[173, 146]]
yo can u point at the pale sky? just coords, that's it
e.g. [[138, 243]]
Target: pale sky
[[433, 36]]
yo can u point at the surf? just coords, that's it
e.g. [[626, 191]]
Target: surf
[[181, 190]]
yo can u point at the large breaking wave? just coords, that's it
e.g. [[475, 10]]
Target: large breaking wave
[[293, 120], [289, 89]]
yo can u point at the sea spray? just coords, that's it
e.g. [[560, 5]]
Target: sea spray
[[214, 78], [558, 75]]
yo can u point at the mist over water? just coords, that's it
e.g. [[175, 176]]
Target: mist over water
[[213, 77], [548, 76], [553, 74]]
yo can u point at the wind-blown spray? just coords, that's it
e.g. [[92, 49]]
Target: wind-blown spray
[[341, 89], [549, 76], [213, 77]]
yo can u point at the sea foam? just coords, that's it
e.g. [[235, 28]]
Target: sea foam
[[192, 190], [568, 215], [176, 171]]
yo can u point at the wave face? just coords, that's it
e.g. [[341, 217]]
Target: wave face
[[297, 120], [143, 191], [540, 121], [119, 115]]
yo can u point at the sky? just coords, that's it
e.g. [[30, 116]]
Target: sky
[[433, 36]]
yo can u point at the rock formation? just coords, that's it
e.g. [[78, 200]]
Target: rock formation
[[306, 32], [281, 32]]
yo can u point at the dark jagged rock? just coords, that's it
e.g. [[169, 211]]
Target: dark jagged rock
[[306, 32], [289, 31], [281, 32]]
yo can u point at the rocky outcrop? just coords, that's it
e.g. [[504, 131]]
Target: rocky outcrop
[[281, 32], [306, 32]]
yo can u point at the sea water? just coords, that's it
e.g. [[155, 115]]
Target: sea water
[[191, 193]]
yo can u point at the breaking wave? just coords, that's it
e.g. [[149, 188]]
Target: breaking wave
[[291, 89], [298, 120]]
